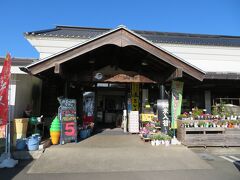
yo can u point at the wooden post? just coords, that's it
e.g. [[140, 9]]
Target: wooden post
[[66, 89]]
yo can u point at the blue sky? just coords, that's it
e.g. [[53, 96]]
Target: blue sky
[[199, 16]]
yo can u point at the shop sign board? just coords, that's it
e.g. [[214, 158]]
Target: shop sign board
[[135, 96], [135, 89], [67, 112], [135, 103], [163, 114], [133, 122], [176, 102]]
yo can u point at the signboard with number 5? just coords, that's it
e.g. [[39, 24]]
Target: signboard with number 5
[[67, 112]]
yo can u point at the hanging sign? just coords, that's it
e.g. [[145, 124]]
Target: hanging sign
[[68, 120], [135, 103], [163, 115], [135, 96], [176, 102], [135, 89]]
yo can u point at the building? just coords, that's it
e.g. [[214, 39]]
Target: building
[[24, 89], [74, 61]]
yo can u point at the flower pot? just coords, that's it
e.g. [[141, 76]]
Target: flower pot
[[167, 142], [158, 142], [55, 136], [145, 135], [153, 143]]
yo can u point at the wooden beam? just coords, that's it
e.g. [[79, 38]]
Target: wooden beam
[[132, 39], [57, 68], [177, 73], [122, 38]]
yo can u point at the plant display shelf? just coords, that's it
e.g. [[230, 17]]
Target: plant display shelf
[[218, 136]]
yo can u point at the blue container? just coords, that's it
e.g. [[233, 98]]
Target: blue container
[[33, 142], [21, 144], [89, 132], [84, 133]]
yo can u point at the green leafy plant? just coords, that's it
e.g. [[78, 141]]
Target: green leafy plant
[[157, 124], [201, 123], [167, 138], [215, 110], [181, 116], [197, 112]]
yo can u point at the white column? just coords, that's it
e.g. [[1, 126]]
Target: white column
[[144, 97]]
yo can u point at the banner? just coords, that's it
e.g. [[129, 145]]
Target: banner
[[163, 115], [135, 96], [4, 84], [2, 131], [176, 102]]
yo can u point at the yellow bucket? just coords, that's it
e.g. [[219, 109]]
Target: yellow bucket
[[19, 129], [20, 125]]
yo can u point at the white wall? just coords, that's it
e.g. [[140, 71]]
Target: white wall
[[48, 46], [208, 58], [28, 91], [14, 70]]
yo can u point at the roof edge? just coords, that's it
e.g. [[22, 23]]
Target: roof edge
[[184, 34]]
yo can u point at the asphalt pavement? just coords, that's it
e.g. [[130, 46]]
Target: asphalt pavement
[[117, 156]]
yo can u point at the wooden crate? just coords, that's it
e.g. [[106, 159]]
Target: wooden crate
[[201, 136], [232, 137], [218, 136]]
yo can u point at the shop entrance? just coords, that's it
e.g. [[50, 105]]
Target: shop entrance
[[105, 106]]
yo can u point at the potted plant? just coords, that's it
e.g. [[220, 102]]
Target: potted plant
[[183, 116], [153, 141], [158, 139], [219, 124], [210, 124], [186, 124], [167, 140], [224, 123], [235, 123], [201, 124], [145, 132], [197, 113]]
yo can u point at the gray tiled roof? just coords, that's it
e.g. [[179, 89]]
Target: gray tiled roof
[[226, 75], [19, 61], [156, 37]]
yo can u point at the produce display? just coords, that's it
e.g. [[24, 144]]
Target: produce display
[[151, 132], [221, 128], [220, 117]]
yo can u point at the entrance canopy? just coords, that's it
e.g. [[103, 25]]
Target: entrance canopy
[[119, 55]]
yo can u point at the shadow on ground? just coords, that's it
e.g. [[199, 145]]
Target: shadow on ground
[[10, 173], [237, 165]]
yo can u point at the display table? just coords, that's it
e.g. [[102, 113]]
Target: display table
[[211, 136], [201, 136]]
